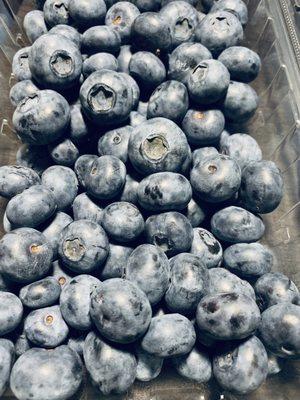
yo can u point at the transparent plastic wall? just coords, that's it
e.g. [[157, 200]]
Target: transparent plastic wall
[[276, 126]]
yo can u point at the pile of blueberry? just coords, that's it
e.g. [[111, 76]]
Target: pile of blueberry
[[132, 223]]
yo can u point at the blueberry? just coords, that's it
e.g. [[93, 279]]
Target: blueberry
[[195, 366], [36, 126], [157, 145], [106, 97], [22, 344], [60, 274], [106, 177], [208, 82], [142, 108], [11, 311], [34, 25], [99, 61], [31, 207], [188, 283], [274, 288], [14, 179], [171, 231], [164, 191], [148, 366], [21, 90], [236, 225], [76, 343], [116, 261], [123, 221], [120, 310], [41, 293], [134, 87], [83, 246], [7, 353], [20, 64], [64, 153], [216, 178], [120, 17], [53, 229], [151, 32], [182, 18], [280, 330], [40, 374], [185, 58], [228, 316], [242, 367], [169, 335], [87, 13], [101, 39], [68, 32], [248, 260], [75, 301], [25, 255], [82, 167], [148, 268], [236, 7], [135, 118], [147, 69], [55, 61], [240, 103], [204, 152], [274, 364], [242, 147], [86, 208], [207, 247], [35, 157], [57, 12], [78, 128], [219, 30], [112, 370], [203, 127], [195, 213], [169, 100], [147, 5], [262, 186], [115, 143], [223, 281], [124, 58]]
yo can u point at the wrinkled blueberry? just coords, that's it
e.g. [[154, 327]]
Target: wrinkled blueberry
[[148, 268], [237, 7], [122, 221], [37, 126], [262, 186], [195, 366], [101, 39], [64, 153], [115, 143], [99, 61], [55, 61], [242, 147], [248, 259], [34, 25], [171, 231], [116, 261], [236, 225], [41, 293], [223, 281], [112, 370], [240, 103], [25, 255], [83, 246], [31, 207], [20, 64], [147, 69], [106, 177], [21, 90], [274, 288], [207, 248], [157, 145], [82, 167], [68, 32], [243, 367], [208, 82], [188, 283], [169, 100], [75, 301], [11, 312], [63, 184], [164, 191], [203, 127], [7, 353], [169, 335], [57, 12], [86, 208], [120, 17], [14, 179], [87, 13], [120, 310], [228, 316], [40, 374]]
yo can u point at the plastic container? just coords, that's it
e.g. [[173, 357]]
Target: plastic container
[[272, 32]]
